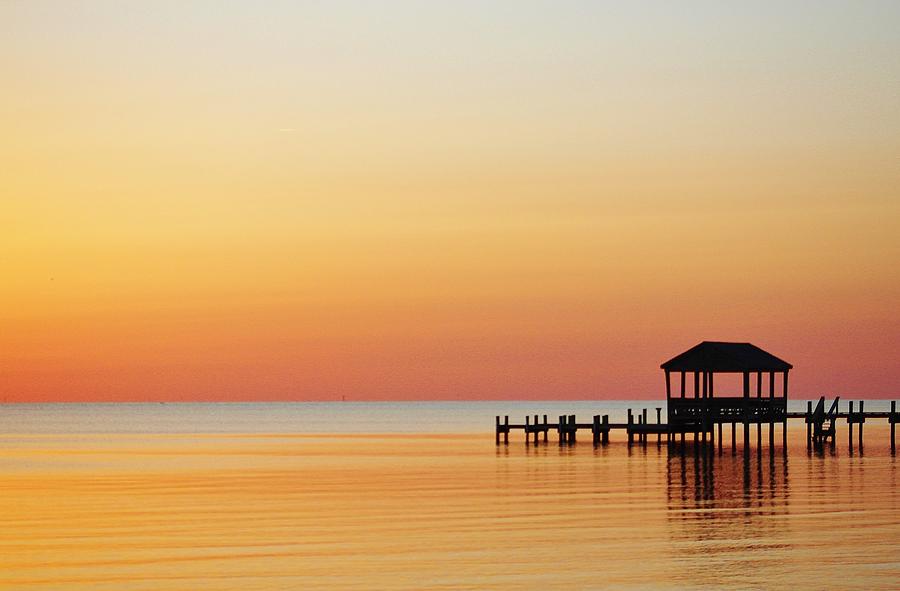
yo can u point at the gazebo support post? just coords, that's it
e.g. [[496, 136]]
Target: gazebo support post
[[669, 395], [712, 394], [706, 380], [759, 401], [746, 412], [733, 437], [784, 422]]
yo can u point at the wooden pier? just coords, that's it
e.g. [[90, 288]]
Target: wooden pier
[[703, 414], [821, 427]]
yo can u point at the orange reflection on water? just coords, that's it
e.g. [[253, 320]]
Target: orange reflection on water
[[436, 512]]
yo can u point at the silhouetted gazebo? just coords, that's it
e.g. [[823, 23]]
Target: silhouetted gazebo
[[701, 412]]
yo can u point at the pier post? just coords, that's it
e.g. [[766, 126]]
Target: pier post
[[595, 430], [573, 428], [659, 421], [506, 429], [605, 429], [850, 424], [527, 429], [546, 428], [561, 429], [630, 434], [892, 419], [720, 437], [862, 421], [808, 424], [497, 429]]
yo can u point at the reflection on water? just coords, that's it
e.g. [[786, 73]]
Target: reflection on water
[[731, 507], [165, 511]]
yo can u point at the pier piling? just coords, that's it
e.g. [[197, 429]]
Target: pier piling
[[850, 425], [658, 422], [893, 420], [862, 421], [630, 432], [808, 424]]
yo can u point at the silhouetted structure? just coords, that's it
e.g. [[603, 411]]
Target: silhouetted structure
[[698, 410], [704, 410]]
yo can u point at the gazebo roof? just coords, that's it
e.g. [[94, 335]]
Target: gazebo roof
[[726, 358]]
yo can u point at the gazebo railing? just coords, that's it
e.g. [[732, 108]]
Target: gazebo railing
[[688, 411]]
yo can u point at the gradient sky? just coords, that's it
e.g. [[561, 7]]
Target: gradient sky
[[231, 201]]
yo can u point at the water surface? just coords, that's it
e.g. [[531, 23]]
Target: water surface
[[229, 497]]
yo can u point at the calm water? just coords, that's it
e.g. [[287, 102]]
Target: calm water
[[416, 496]]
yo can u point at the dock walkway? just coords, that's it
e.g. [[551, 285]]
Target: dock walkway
[[821, 426]]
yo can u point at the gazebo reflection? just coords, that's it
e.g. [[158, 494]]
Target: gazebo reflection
[[725, 506]]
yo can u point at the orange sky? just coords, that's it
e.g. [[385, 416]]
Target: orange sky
[[237, 203]]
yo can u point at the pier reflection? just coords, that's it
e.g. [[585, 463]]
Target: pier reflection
[[702, 479], [725, 506]]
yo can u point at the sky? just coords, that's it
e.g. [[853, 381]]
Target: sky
[[467, 200]]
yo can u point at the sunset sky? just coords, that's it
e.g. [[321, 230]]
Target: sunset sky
[[535, 200]]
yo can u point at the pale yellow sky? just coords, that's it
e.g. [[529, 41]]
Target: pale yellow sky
[[517, 200]]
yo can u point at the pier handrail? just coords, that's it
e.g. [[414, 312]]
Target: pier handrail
[[819, 412]]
